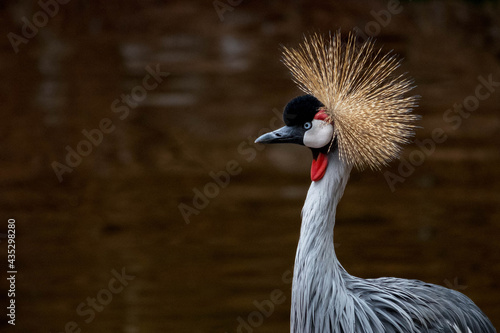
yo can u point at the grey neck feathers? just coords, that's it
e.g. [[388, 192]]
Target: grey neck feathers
[[318, 213], [318, 276]]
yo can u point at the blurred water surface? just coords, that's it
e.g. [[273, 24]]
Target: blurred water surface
[[118, 210]]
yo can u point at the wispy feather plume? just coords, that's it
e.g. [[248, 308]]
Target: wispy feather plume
[[363, 97]]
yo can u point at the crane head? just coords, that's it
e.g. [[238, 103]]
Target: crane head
[[307, 124], [356, 103]]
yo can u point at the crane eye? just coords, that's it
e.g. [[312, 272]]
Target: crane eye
[[307, 125]]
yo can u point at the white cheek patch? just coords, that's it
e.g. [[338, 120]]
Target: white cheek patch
[[319, 135]]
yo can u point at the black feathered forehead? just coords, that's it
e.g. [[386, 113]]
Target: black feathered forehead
[[301, 110]]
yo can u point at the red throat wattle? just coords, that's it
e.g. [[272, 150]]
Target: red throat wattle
[[318, 167]]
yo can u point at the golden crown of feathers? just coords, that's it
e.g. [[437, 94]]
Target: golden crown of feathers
[[363, 98]]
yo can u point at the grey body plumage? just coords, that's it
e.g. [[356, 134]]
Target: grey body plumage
[[325, 298]]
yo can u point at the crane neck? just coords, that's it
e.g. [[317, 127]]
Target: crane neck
[[318, 213], [318, 277]]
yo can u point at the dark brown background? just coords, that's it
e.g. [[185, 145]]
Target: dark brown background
[[119, 207]]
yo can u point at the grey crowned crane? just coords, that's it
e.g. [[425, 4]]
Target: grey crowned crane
[[356, 113]]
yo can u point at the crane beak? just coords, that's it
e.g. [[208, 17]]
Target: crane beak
[[285, 134]]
